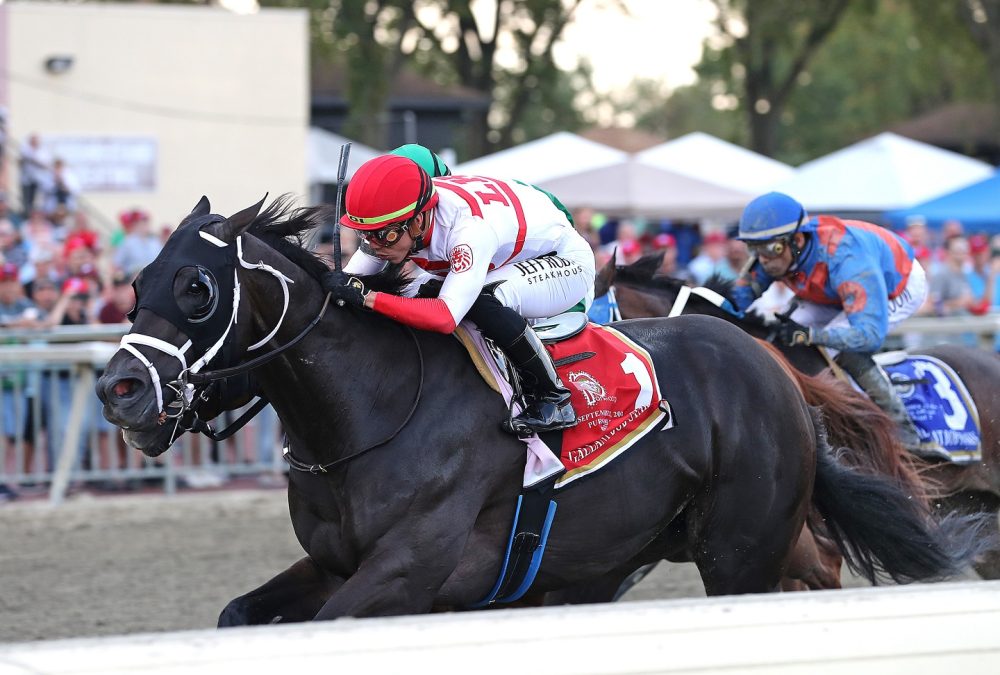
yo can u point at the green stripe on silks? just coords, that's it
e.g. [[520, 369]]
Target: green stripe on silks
[[578, 307], [555, 200]]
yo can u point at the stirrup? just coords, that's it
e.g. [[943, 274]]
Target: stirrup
[[522, 429]]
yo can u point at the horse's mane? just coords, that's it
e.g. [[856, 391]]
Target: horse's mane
[[724, 287], [643, 273], [721, 285], [285, 229]]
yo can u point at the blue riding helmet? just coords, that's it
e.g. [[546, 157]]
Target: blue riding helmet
[[772, 216]]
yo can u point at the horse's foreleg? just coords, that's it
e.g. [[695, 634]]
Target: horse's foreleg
[[406, 572], [296, 594]]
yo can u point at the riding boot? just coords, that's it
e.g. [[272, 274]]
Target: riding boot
[[547, 406], [882, 393], [547, 400]]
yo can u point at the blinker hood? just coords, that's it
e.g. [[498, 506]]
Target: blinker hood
[[188, 248]]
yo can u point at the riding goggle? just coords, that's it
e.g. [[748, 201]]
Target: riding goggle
[[768, 249], [387, 236]]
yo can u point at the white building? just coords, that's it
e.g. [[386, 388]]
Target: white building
[[155, 105]]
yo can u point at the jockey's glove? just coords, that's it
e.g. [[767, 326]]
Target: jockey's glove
[[344, 290], [792, 333]]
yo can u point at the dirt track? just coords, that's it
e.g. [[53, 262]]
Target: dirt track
[[109, 566]]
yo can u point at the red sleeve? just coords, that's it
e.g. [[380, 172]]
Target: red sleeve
[[424, 313]]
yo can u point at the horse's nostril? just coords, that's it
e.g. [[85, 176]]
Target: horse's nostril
[[125, 387]]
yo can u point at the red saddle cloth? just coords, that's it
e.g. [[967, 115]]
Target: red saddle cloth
[[615, 395]]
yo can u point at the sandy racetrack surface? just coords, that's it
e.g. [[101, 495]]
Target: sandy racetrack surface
[[128, 564]]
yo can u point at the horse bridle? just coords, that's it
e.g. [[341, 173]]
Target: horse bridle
[[188, 398], [685, 293], [189, 384]]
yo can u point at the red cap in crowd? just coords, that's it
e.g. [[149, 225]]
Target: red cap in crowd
[[715, 237], [630, 247], [9, 272], [664, 240], [76, 286], [130, 218], [978, 243]]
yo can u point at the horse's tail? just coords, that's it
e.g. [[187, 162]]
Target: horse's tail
[[882, 533], [865, 434]]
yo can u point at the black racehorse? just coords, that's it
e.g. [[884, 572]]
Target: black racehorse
[[411, 495], [970, 488]]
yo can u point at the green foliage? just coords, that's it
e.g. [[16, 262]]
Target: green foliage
[[690, 108], [447, 42], [812, 76], [877, 70]]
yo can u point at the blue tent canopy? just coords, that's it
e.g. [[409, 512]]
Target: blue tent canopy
[[977, 207]]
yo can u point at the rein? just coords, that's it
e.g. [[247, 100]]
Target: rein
[[253, 364], [188, 402], [286, 451]]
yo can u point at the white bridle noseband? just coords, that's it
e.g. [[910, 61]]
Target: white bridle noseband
[[183, 389]]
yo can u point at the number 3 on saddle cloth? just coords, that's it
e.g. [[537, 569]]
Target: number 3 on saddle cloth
[[939, 405], [614, 392]]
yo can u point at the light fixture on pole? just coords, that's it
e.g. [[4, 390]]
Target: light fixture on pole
[[58, 64]]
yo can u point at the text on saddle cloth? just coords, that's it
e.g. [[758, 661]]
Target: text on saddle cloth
[[940, 406], [615, 394]]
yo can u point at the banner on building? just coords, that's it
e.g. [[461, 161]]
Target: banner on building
[[108, 163]]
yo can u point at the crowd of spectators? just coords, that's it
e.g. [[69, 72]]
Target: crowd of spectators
[[57, 270]]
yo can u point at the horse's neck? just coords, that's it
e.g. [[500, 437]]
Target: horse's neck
[[325, 387]]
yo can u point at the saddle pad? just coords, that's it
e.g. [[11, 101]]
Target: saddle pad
[[616, 397], [940, 407]]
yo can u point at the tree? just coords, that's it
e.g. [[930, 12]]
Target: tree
[[982, 19], [766, 45], [877, 69], [701, 106], [531, 94], [453, 44]]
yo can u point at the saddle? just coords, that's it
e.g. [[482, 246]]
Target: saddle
[[614, 387]]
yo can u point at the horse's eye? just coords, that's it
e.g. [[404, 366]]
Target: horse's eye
[[202, 291]]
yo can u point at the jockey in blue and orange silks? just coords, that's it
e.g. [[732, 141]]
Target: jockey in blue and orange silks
[[854, 281]]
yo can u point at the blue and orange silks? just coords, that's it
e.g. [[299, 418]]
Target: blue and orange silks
[[847, 263]]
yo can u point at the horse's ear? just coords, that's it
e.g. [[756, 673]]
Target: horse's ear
[[202, 208], [236, 224], [605, 277], [646, 266]]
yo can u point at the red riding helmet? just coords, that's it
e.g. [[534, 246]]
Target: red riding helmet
[[386, 190]]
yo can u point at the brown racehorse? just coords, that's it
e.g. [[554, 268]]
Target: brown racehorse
[[864, 433]]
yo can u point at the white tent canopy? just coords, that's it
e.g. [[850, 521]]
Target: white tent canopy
[[323, 155], [632, 187], [881, 173], [555, 155], [714, 160]]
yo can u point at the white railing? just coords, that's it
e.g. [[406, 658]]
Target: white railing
[[918, 630], [57, 436]]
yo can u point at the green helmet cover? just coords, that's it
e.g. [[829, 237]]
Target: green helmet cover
[[425, 159]]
